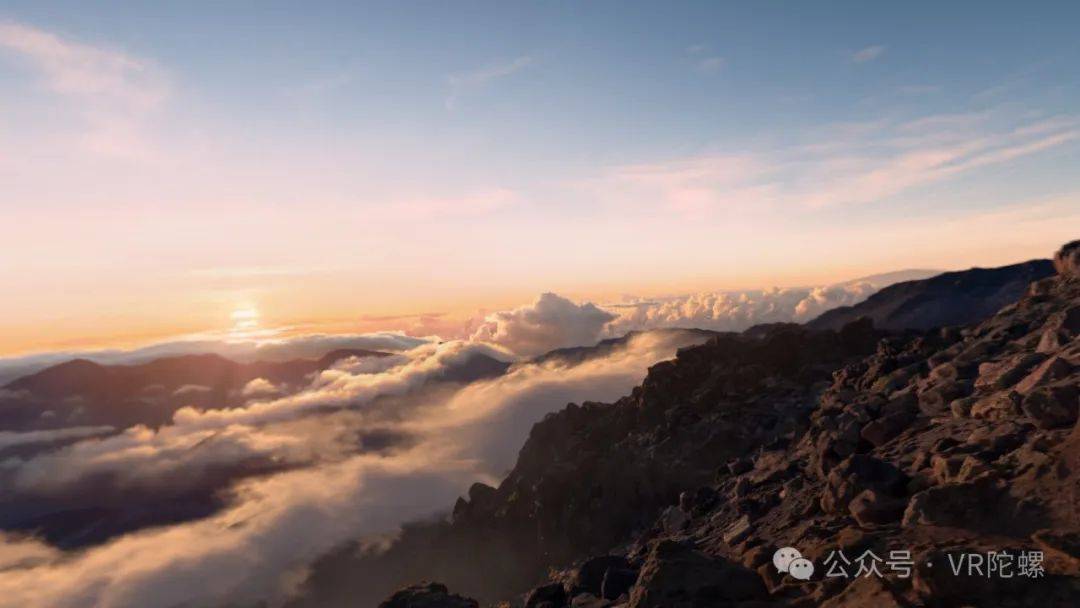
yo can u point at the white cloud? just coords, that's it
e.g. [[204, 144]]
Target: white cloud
[[260, 387], [550, 322], [853, 164], [735, 310], [260, 547], [866, 54]]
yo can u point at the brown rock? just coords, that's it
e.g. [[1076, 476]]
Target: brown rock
[[998, 406], [872, 508], [1067, 260], [1053, 406], [1054, 368], [428, 595], [1002, 374], [676, 575]]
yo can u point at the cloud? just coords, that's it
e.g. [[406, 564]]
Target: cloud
[[191, 389], [260, 387], [21, 552], [550, 322], [9, 439], [735, 310], [711, 65], [278, 348], [852, 164], [867, 54], [464, 83], [261, 546], [113, 91]]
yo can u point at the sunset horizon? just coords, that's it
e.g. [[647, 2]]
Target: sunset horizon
[[587, 304]]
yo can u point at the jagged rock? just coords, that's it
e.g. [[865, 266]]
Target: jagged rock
[[589, 577], [1054, 368], [998, 406], [738, 530], [872, 508], [858, 473], [1067, 260], [1052, 406], [961, 408], [674, 519], [428, 595], [999, 375], [676, 575], [547, 596], [1062, 548], [956, 505]]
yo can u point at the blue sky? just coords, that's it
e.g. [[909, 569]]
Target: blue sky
[[492, 150]]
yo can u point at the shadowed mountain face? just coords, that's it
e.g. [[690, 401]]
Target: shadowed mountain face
[[81, 392], [952, 298]]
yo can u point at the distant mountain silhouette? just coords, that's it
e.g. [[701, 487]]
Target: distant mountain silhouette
[[951, 298], [83, 392]]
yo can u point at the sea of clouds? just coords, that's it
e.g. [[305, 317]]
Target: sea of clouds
[[366, 446]]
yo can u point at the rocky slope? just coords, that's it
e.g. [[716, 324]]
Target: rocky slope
[[846, 445]]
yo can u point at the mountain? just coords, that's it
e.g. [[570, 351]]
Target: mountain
[[84, 392], [951, 298], [921, 447]]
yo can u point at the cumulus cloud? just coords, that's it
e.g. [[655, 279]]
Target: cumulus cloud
[[260, 387], [260, 547], [550, 322], [738, 310]]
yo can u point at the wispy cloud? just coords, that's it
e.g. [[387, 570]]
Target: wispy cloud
[[853, 164], [465, 82], [710, 65], [867, 54], [114, 91]]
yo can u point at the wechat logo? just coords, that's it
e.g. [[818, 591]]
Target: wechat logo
[[789, 560]]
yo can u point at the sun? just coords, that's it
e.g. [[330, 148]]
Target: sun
[[245, 319]]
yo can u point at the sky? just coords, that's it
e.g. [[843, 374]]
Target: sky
[[171, 168]]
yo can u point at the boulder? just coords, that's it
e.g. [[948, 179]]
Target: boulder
[[1054, 368], [589, 576], [552, 595], [958, 505], [1002, 374], [857, 473], [428, 595], [871, 508], [1053, 406], [674, 574], [998, 406]]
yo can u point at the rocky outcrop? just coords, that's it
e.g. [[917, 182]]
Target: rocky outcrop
[[937, 444], [428, 595]]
